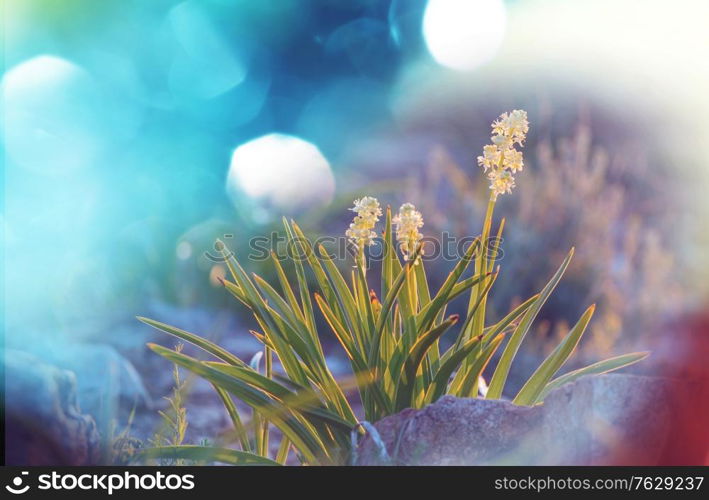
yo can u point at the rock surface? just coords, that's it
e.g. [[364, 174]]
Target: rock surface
[[43, 423], [453, 431], [608, 420], [598, 420]]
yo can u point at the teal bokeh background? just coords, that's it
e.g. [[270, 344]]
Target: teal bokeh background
[[122, 122]]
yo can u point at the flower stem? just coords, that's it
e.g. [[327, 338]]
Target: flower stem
[[476, 325]]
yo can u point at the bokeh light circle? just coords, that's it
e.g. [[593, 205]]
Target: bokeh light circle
[[463, 34], [53, 115], [281, 172]]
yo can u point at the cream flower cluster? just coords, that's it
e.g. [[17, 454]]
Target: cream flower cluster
[[408, 221], [500, 160], [361, 229]]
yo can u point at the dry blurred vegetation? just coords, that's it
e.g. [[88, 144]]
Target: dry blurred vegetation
[[612, 207]]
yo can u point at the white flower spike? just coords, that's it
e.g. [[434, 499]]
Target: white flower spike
[[500, 160], [408, 221], [361, 231]]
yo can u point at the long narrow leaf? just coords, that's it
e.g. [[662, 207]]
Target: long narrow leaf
[[286, 288], [605, 366], [345, 298], [440, 381], [510, 318], [362, 371], [282, 453], [542, 375], [396, 288], [303, 403], [428, 314], [473, 310], [233, 413], [303, 288], [414, 359], [196, 340], [469, 384], [499, 377]]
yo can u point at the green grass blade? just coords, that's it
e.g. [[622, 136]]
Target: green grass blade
[[424, 295], [286, 288], [465, 330], [473, 310], [476, 326], [320, 276], [430, 362], [306, 249], [510, 318], [282, 453], [387, 305], [425, 318], [494, 251], [282, 335], [438, 386], [361, 369], [282, 306], [285, 337], [341, 334], [299, 337], [311, 355], [254, 378], [539, 379], [413, 361], [469, 383], [390, 259], [605, 366], [195, 340], [345, 298], [499, 377], [231, 409], [303, 288], [307, 403], [461, 287], [364, 299]]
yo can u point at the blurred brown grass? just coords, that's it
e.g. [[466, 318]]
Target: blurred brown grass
[[610, 205]]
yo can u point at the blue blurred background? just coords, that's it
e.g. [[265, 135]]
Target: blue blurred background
[[136, 132]]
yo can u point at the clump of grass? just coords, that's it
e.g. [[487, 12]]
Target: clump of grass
[[392, 338], [171, 433]]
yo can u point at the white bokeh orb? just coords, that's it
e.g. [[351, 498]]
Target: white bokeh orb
[[464, 34], [282, 173], [53, 116]]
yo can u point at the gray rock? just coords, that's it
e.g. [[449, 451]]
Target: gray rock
[[454, 431], [104, 378], [597, 420], [610, 419], [43, 423]]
